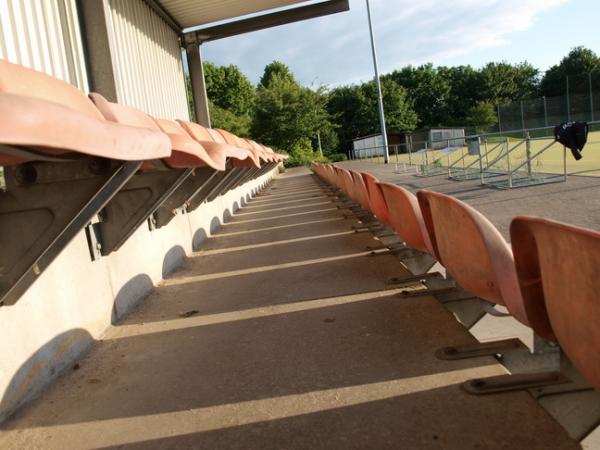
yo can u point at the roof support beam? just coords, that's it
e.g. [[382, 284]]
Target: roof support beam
[[194, 57], [267, 21], [158, 9]]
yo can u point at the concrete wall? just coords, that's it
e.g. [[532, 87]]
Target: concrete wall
[[76, 299]]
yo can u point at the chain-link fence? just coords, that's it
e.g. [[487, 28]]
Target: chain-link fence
[[580, 102]]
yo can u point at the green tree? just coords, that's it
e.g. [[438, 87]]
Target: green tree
[[482, 114], [503, 82], [428, 90], [275, 69], [229, 88], [465, 91], [346, 104], [225, 119], [399, 112], [286, 113], [579, 62], [355, 113]]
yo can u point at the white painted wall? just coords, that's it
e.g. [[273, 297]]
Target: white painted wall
[[44, 35], [74, 301], [149, 69]]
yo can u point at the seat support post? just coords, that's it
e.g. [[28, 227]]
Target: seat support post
[[44, 208]]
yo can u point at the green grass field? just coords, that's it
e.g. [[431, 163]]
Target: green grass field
[[551, 161]]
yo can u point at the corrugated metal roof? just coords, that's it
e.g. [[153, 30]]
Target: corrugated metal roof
[[191, 13]]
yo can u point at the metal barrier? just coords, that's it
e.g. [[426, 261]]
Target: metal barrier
[[505, 160]]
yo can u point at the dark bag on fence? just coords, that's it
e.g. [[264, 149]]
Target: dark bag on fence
[[572, 135]]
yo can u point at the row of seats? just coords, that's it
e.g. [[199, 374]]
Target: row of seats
[[71, 159], [53, 118], [547, 280]]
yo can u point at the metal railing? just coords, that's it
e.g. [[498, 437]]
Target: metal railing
[[500, 158]]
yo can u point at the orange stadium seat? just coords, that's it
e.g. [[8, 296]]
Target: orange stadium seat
[[557, 267]]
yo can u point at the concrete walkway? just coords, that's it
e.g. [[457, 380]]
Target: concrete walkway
[[281, 333]]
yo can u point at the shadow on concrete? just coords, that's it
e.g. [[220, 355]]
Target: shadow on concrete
[[172, 260], [199, 238], [419, 420], [41, 368], [233, 361], [131, 295], [215, 224]]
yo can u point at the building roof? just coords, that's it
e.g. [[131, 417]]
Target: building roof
[[192, 13]]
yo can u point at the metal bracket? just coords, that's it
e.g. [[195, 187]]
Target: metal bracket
[[412, 280], [230, 176], [424, 292], [43, 208], [507, 383], [202, 194], [92, 233], [481, 349], [199, 178], [134, 203]]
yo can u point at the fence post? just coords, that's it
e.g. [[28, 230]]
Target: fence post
[[565, 162], [591, 96], [481, 160], [545, 112], [522, 116], [510, 184], [528, 152]]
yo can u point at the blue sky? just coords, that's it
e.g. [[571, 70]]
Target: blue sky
[[335, 50]]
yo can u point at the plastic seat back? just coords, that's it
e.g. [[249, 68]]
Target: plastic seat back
[[218, 151], [360, 190], [54, 117], [473, 251], [557, 265], [347, 183], [19, 80], [376, 199], [187, 152], [405, 216]]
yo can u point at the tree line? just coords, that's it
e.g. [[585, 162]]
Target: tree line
[[282, 113]]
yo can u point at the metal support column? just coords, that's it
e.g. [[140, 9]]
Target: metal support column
[[386, 156], [194, 57]]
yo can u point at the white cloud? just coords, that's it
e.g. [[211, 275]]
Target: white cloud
[[336, 49]]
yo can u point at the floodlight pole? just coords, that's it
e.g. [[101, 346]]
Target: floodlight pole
[[386, 155]]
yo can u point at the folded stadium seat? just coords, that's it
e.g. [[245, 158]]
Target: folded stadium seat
[[260, 150], [476, 255], [484, 265], [330, 175], [405, 217], [557, 271], [376, 199], [244, 159], [237, 173], [556, 267], [155, 193], [241, 156], [348, 185], [187, 152], [360, 190], [62, 163], [251, 172]]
